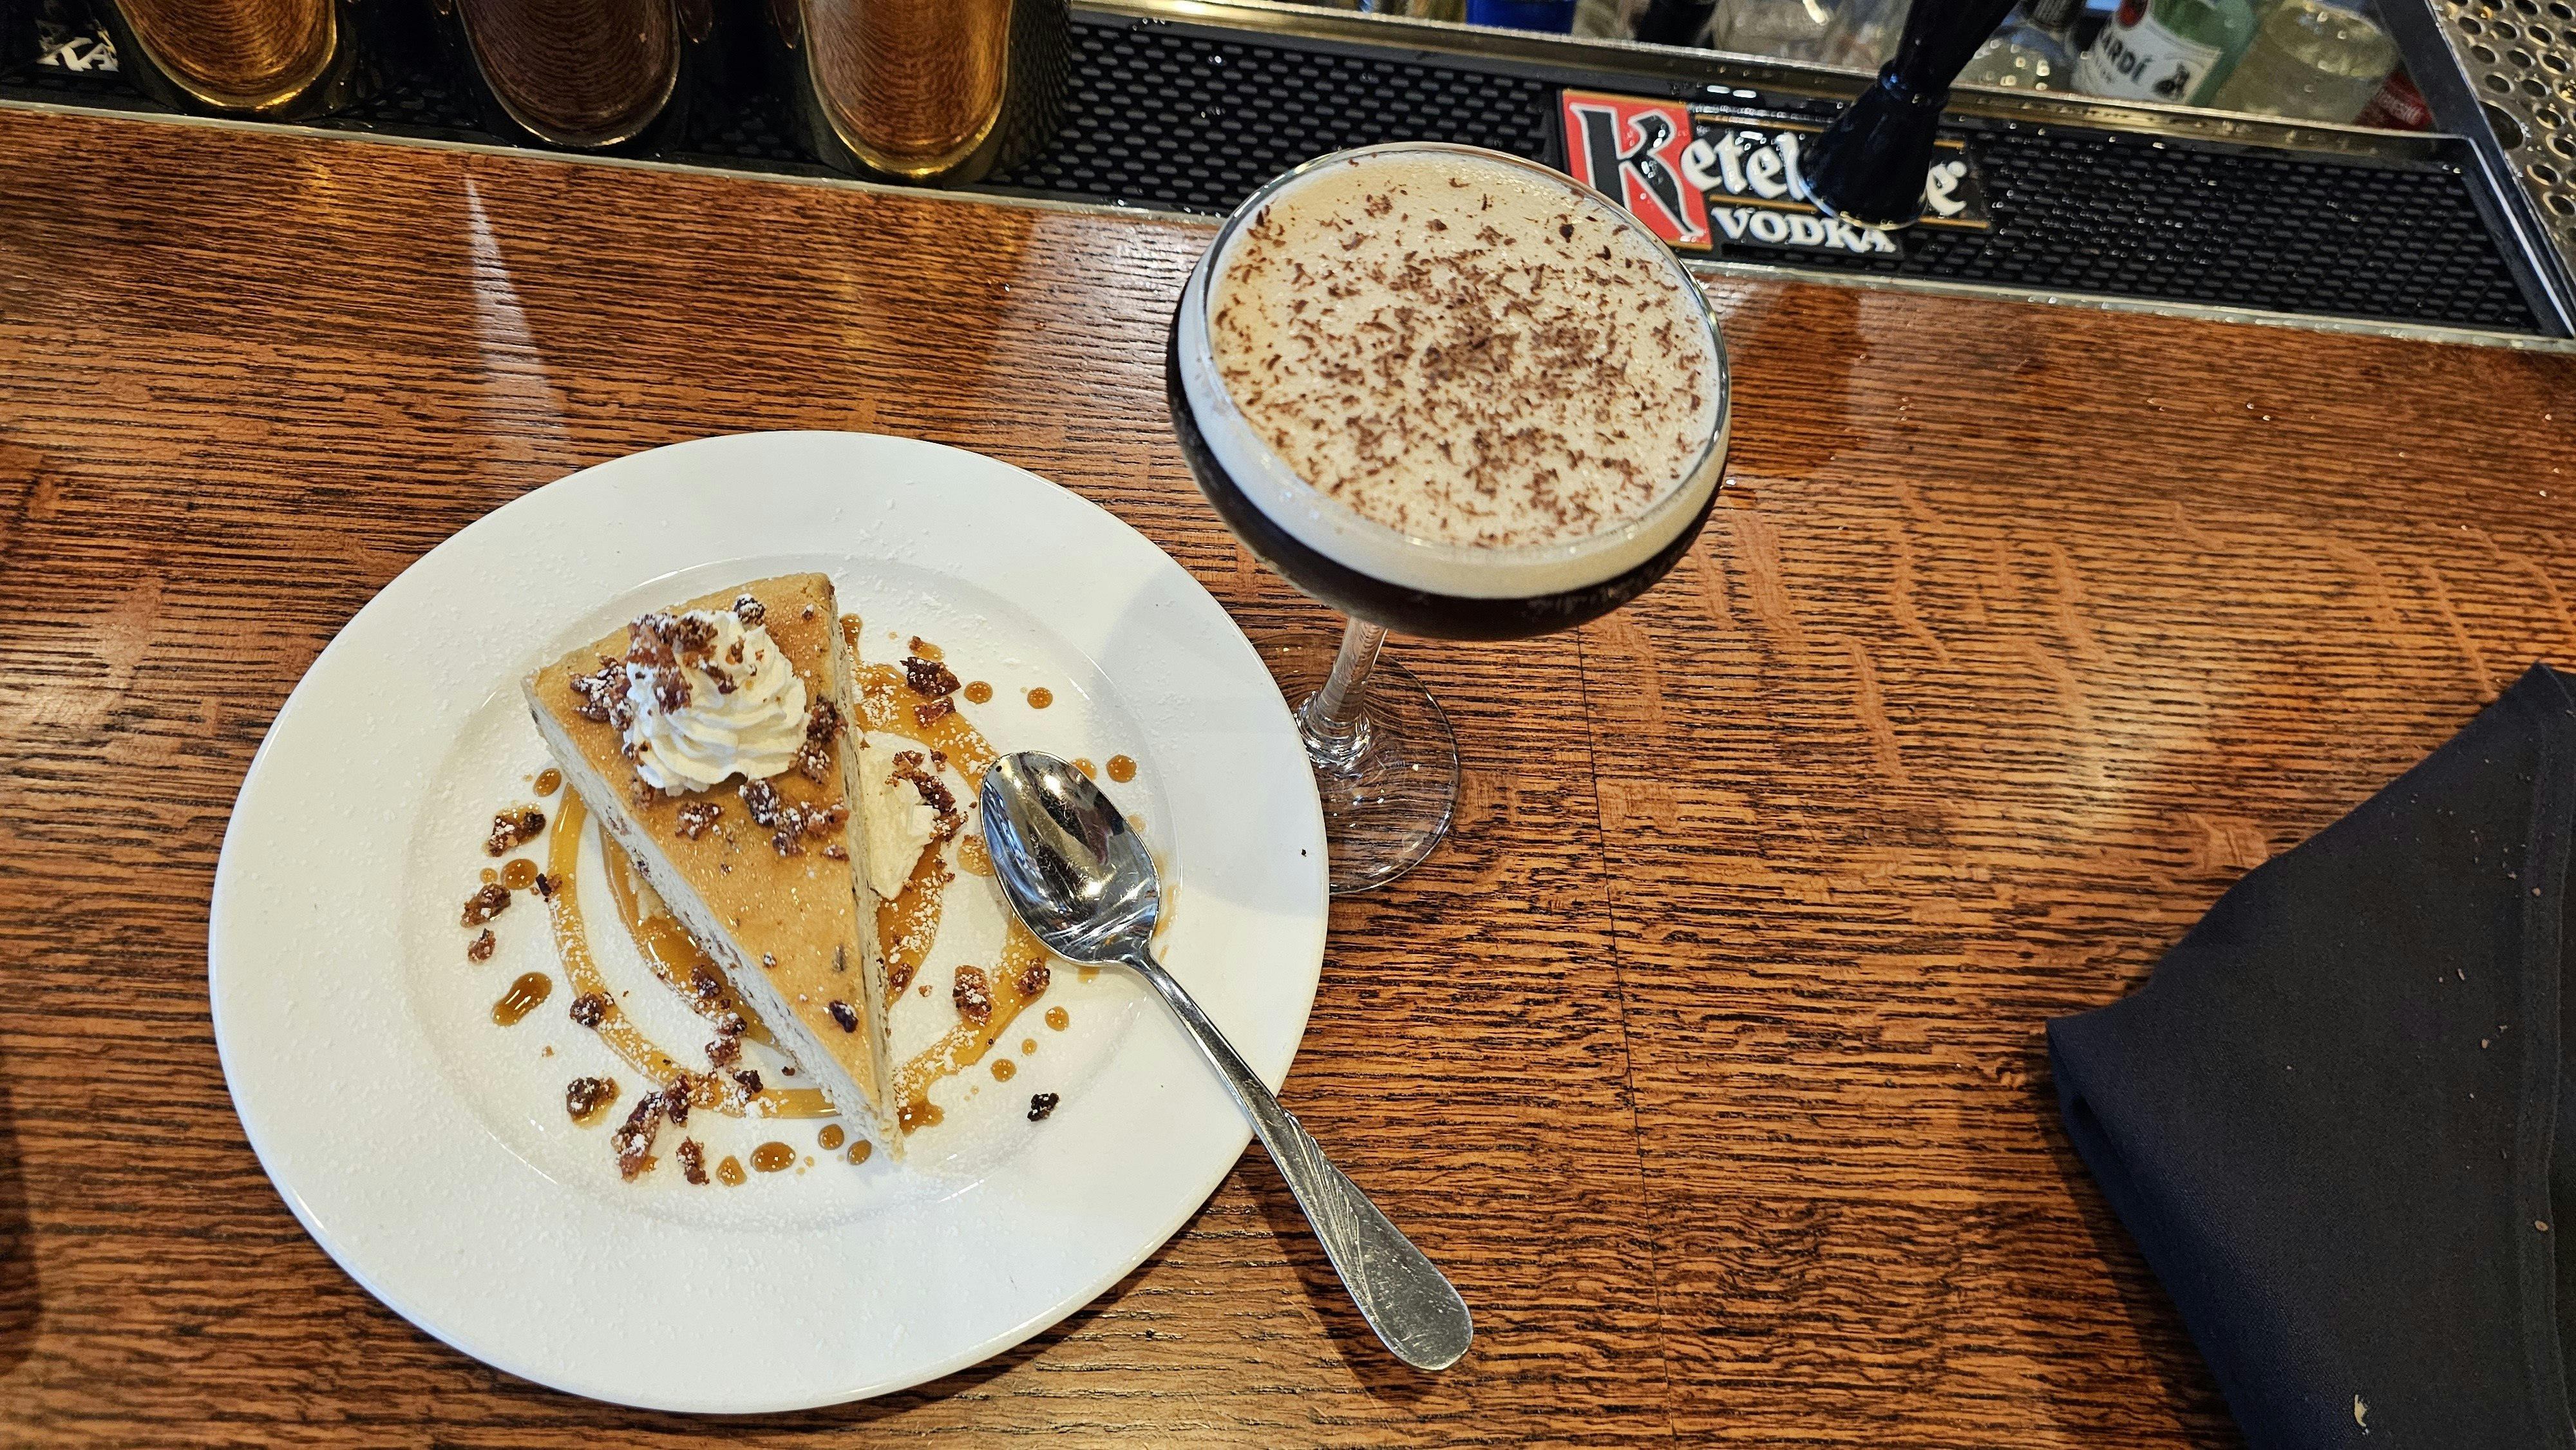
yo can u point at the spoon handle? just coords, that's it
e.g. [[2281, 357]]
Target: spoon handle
[[1413, 1307]]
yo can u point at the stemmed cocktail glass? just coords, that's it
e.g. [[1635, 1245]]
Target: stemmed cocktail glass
[[1385, 758]]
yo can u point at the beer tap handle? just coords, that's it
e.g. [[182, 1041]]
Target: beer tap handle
[[1868, 166]]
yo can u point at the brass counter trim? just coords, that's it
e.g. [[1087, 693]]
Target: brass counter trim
[[1748, 271]]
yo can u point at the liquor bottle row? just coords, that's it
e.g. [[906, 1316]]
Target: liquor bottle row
[[945, 91], [2311, 60]]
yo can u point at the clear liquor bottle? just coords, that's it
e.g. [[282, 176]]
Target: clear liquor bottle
[[2312, 60], [2035, 50], [2175, 51], [1788, 29]]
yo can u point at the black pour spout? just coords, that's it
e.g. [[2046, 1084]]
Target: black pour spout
[[1868, 166]]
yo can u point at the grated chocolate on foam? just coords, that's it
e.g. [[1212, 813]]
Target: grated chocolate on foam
[[1464, 352]]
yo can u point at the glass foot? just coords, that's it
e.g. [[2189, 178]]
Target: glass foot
[[1388, 777]]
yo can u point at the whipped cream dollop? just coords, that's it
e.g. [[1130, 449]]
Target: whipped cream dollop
[[899, 817], [709, 696]]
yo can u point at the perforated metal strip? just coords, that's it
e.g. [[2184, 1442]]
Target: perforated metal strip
[[2521, 57]]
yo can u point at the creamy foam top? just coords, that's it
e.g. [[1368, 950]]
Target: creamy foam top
[[1464, 351]]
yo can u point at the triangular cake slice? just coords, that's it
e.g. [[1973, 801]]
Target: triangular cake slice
[[712, 741]]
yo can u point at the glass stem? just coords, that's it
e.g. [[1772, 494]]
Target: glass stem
[[1334, 719]]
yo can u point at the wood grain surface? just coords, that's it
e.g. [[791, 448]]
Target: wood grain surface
[[1706, 1055]]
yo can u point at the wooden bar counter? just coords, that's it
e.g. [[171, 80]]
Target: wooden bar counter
[[1706, 1055]]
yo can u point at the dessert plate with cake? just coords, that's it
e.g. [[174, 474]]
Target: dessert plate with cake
[[605, 953]]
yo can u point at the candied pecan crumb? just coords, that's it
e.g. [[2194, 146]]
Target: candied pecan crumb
[[814, 758], [697, 818], [928, 677], [749, 1080], [480, 949], [1042, 1105], [836, 853], [934, 712], [813, 761], [843, 1013], [1034, 978], [704, 984], [634, 1141], [724, 1052], [546, 886], [731, 1025], [583, 1095], [974, 995], [693, 1161], [513, 827], [590, 1009], [761, 799], [675, 1099], [749, 610], [933, 791], [796, 822], [769, 960], [603, 695], [486, 904]]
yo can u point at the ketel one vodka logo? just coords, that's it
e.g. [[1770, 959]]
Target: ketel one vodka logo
[[1699, 178]]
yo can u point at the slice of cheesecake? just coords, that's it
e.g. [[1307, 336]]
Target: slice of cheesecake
[[712, 741]]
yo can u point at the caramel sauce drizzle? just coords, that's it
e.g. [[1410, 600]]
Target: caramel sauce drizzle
[[523, 998], [908, 926], [964, 1045]]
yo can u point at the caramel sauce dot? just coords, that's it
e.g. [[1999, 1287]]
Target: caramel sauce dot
[[1121, 769], [1083, 764], [1004, 1069], [771, 1157], [729, 1172], [977, 692], [1041, 697], [926, 650], [522, 998], [520, 874], [490, 875], [1028, 1045], [549, 780], [830, 1137], [860, 1150], [1058, 1018]]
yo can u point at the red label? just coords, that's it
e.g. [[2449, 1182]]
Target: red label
[[1631, 150]]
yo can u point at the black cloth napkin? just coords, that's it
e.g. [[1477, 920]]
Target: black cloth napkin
[[2333, 1120]]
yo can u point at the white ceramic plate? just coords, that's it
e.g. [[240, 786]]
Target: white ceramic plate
[[428, 1150]]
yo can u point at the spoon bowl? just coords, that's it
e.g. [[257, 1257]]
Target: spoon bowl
[[1078, 876]]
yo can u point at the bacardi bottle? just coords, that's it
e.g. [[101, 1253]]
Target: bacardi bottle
[[2175, 51]]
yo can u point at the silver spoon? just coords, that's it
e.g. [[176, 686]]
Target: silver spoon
[[1087, 887]]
